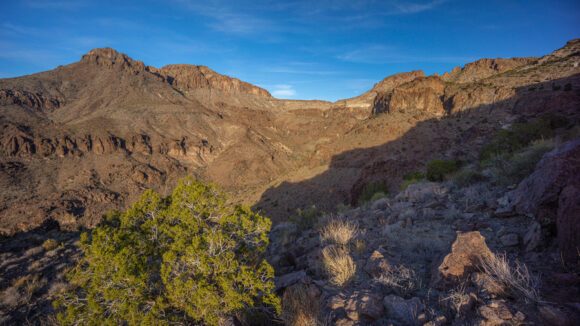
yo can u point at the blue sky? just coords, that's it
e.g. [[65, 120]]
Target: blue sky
[[321, 49]]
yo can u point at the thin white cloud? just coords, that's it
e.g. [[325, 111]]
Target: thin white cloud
[[291, 70], [58, 4], [407, 7], [381, 54], [283, 91]]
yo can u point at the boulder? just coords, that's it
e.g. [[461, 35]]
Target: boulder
[[495, 314], [568, 224], [380, 204], [533, 236], [403, 310], [551, 193], [556, 315], [454, 267], [364, 306], [377, 265], [509, 240], [289, 279]]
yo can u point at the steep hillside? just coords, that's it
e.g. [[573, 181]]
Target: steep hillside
[[88, 137]]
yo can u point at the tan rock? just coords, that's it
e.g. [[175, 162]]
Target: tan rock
[[467, 249]]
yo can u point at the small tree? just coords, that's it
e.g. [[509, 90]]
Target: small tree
[[183, 259]]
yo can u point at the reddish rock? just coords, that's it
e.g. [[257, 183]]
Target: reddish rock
[[465, 253], [552, 193]]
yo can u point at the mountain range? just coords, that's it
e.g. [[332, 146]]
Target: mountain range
[[91, 136]]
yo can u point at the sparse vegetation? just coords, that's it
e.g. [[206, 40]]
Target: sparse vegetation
[[412, 178], [507, 141], [49, 244], [299, 307], [511, 169], [338, 231], [339, 265], [371, 189], [515, 280], [400, 279], [438, 169], [467, 176], [187, 258], [307, 218]]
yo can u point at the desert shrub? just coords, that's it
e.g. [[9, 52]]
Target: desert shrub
[[342, 208], [412, 178], [466, 177], [307, 218], [416, 175], [184, 259], [338, 264], [512, 169], [371, 189], [377, 196], [338, 231], [555, 120], [518, 136], [510, 279], [568, 87], [438, 169], [299, 306], [49, 244]]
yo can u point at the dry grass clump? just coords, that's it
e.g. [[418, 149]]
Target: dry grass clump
[[299, 307], [49, 244], [460, 301], [338, 231], [338, 264], [401, 279], [516, 279]]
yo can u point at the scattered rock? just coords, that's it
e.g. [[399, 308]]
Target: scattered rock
[[364, 306], [289, 279], [557, 316], [437, 321], [533, 236], [510, 240], [377, 265], [392, 228], [422, 191], [403, 310], [464, 255], [380, 204], [336, 302]]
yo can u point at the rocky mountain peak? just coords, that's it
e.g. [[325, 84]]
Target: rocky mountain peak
[[110, 58], [395, 80]]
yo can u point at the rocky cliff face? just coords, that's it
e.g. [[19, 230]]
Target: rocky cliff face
[[187, 77], [484, 68]]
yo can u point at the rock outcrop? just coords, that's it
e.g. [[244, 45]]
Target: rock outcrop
[[550, 194], [187, 77], [484, 68], [465, 254]]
